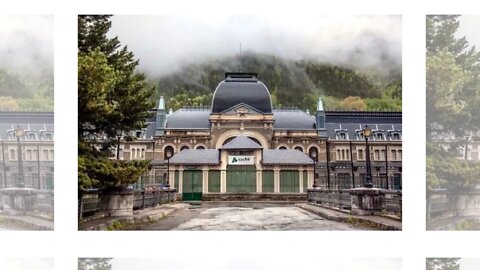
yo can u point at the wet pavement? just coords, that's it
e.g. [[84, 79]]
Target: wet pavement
[[245, 216]]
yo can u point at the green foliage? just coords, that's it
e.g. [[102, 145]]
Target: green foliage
[[94, 264], [8, 104], [291, 83], [443, 263], [29, 92], [112, 97], [453, 98]]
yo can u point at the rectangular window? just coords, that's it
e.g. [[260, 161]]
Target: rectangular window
[[399, 154], [394, 154], [29, 154], [45, 155], [360, 154], [12, 155], [383, 154], [377, 155], [51, 154]]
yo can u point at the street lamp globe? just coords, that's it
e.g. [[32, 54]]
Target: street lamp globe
[[19, 132], [367, 132]]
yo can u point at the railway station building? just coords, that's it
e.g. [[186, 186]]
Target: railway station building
[[242, 145]]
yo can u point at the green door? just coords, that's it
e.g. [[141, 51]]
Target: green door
[[267, 182], [289, 181], [214, 181], [192, 185], [241, 179]]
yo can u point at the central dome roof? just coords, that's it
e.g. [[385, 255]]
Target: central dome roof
[[241, 88]]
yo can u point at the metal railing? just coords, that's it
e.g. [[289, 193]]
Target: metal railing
[[90, 201], [394, 182], [342, 199], [151, 197]]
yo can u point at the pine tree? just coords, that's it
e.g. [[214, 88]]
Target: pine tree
[[112, 97]]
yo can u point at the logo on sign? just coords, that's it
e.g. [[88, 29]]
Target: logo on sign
[[240, 160]]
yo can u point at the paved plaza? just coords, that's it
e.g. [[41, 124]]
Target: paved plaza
[[245, 216]]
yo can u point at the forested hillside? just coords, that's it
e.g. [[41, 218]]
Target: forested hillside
[[26, 92], [291, 83]]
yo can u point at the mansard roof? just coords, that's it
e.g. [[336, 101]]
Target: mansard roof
[[189, 118], [293, 119], [33, 123], [241, 88]]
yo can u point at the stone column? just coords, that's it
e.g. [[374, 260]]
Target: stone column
[[180, 181], [223, 181], [276, 179], [18, 201], [300, 180], [367, 201], [205, 180]]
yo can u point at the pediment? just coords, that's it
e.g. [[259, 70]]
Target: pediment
[[242, 109]]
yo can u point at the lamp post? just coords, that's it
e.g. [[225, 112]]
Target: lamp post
[[119, 133], [169, 155], [314, 156], [20, 182], [367, 132]]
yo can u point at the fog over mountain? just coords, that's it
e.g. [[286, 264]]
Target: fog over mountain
[[26, 43], [166, 43]]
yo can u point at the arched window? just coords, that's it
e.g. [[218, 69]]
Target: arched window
[[166, 151], [184, 148], [313, 153], [299, 148], [282, 148], [200, 147]]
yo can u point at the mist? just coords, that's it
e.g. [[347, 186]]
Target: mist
[[164, 44], [26, 44], [253, 263]]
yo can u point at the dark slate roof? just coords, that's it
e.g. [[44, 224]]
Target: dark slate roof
[[37, 123], [189, 118], [293, 119], [196, 157], [351, 122], [287, 156], [241, 88], [241, 142]]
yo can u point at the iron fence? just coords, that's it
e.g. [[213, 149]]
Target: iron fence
[[341, 198], [393, 182], [152, 196]]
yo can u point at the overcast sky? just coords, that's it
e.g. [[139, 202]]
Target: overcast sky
[[26, 264], [164, 43], [26, 42], [470, 27], [470, 264], [253, 263]]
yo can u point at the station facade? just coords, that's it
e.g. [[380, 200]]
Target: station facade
[[28, 158], [241, 144]]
